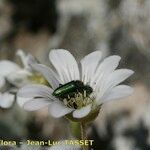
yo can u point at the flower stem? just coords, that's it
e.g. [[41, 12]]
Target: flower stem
[[83, 135]]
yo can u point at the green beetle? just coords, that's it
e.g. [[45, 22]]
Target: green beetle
[[70, 89]]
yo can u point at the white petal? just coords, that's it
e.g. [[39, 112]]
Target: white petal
[[108, 65], [22, 100], [114, 79], [65, 64], [19, 78], [84, 111], [58, 109], [7, 67], [26, 59], [30, 61], [89, 64], [48, 73], [35, 104], [117, 92], [2, 81], [6, 100], [23, 57], [35, 90]]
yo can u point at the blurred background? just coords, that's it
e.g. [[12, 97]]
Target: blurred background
[[119, 27]]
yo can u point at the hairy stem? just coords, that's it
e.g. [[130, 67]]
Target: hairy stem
[[83, 135]]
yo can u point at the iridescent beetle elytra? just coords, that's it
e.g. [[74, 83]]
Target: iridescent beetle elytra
[[71, 88]]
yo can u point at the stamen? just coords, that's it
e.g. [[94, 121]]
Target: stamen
[[78, 101], [65, 101]]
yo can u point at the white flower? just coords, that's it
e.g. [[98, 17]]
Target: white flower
[[12, 72], [98, 79], [16, 75]]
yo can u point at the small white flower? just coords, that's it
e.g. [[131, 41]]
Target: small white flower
[[16, 75], [99, 81]]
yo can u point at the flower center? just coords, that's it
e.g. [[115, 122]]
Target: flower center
[[37, 78], [74, 94]]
